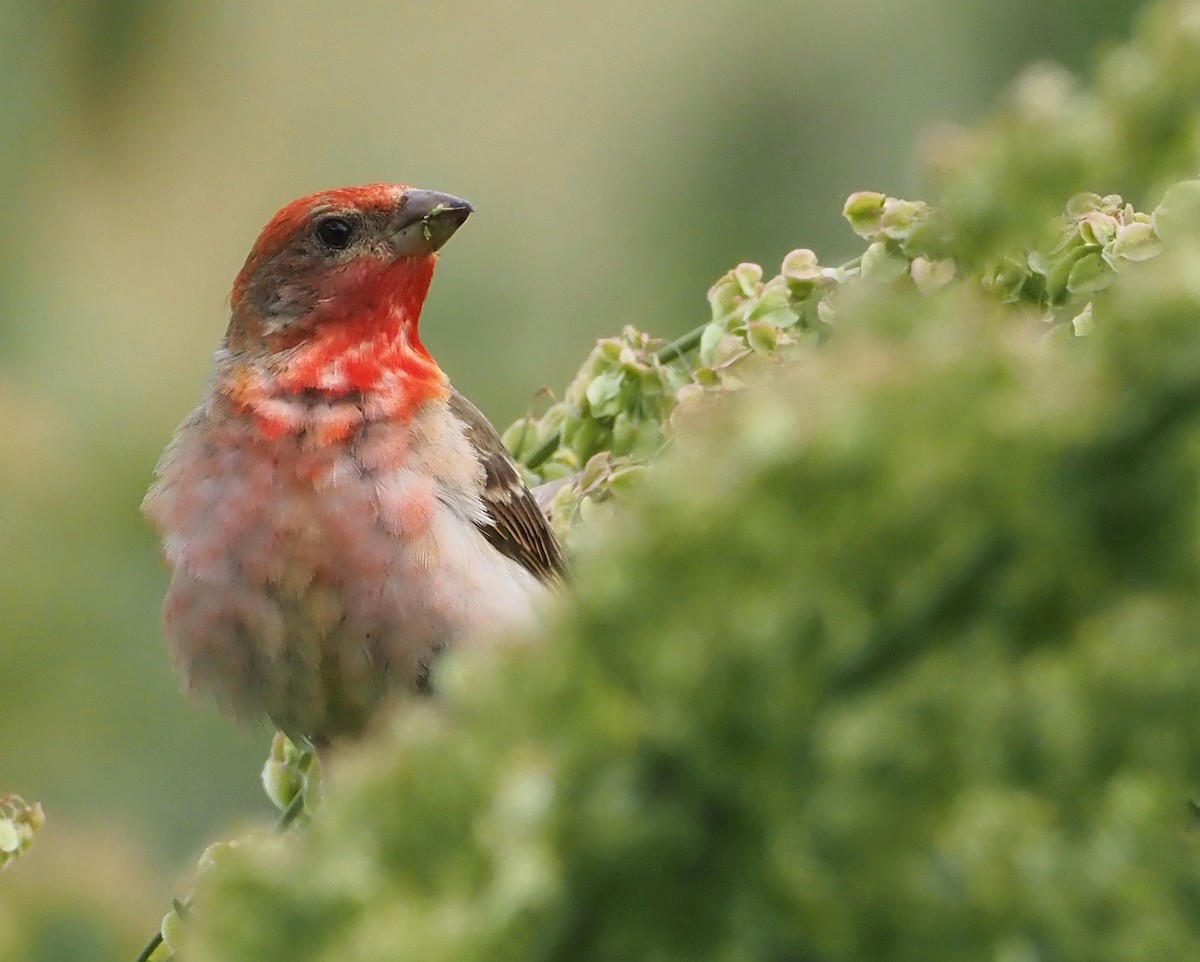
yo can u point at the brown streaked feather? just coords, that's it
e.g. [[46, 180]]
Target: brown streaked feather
[[518, 529]]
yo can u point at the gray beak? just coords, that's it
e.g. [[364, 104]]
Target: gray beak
[[426, 220]]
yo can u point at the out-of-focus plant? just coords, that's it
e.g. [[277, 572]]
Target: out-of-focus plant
[[890, 651], [617, 413], [19, 822], [891, 656]]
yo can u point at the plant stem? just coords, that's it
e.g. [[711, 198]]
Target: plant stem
[[680, 346], [291, 813], [286, 819], [154, 943]]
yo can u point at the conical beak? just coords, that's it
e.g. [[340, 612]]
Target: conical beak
[[426, 220]]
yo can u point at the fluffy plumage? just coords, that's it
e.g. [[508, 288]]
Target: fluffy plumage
[[334, 513]]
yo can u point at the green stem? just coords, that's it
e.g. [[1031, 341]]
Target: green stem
[[680, 346], [154, 943], [289, 816], [291, 813], [547, 448]]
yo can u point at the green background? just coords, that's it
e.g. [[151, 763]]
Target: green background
[[621, 155]]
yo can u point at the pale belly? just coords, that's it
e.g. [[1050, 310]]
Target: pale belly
[[310, 583]]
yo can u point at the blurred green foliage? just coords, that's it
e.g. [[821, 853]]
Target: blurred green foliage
[[893, 656], [19, 822], [620, 156], [621, 408]]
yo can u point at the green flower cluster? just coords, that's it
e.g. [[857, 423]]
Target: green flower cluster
[[620, 408], [611, 420], [1135, 128], [1097, 238], [19, 822]]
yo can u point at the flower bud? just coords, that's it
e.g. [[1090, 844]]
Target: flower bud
[[882, 263], [863, 210]]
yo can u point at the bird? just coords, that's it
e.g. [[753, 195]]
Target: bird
[[334, 513]]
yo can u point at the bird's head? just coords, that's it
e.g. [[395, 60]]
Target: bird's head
[[331, 294]]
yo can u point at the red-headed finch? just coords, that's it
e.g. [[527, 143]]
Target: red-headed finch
[[334, 512]]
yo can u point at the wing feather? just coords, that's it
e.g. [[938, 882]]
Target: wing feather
[[516, 526]]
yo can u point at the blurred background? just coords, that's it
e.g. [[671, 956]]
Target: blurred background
[[621, 155]]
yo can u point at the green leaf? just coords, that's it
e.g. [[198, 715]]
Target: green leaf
[[762, 336], [10, 837], [1098, 227], [1178, 216], [1134, 242], [749, 278], [931, 276], [900, 218], [1089, 274], [603, 394], [881, 262], [864, 210]]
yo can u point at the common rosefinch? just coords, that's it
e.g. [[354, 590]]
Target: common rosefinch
[[334, 512]]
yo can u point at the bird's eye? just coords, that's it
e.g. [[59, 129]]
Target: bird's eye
[[335, 232]]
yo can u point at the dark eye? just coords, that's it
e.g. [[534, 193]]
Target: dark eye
[[335, 232]]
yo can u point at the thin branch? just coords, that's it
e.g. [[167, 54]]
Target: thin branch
[[285, 821], [290, 814], [154, 943], [680, 346]]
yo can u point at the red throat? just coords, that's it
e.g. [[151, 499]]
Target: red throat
[[366, 334], [362, 348]]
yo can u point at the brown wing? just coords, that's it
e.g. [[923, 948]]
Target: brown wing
[[518, 529]]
